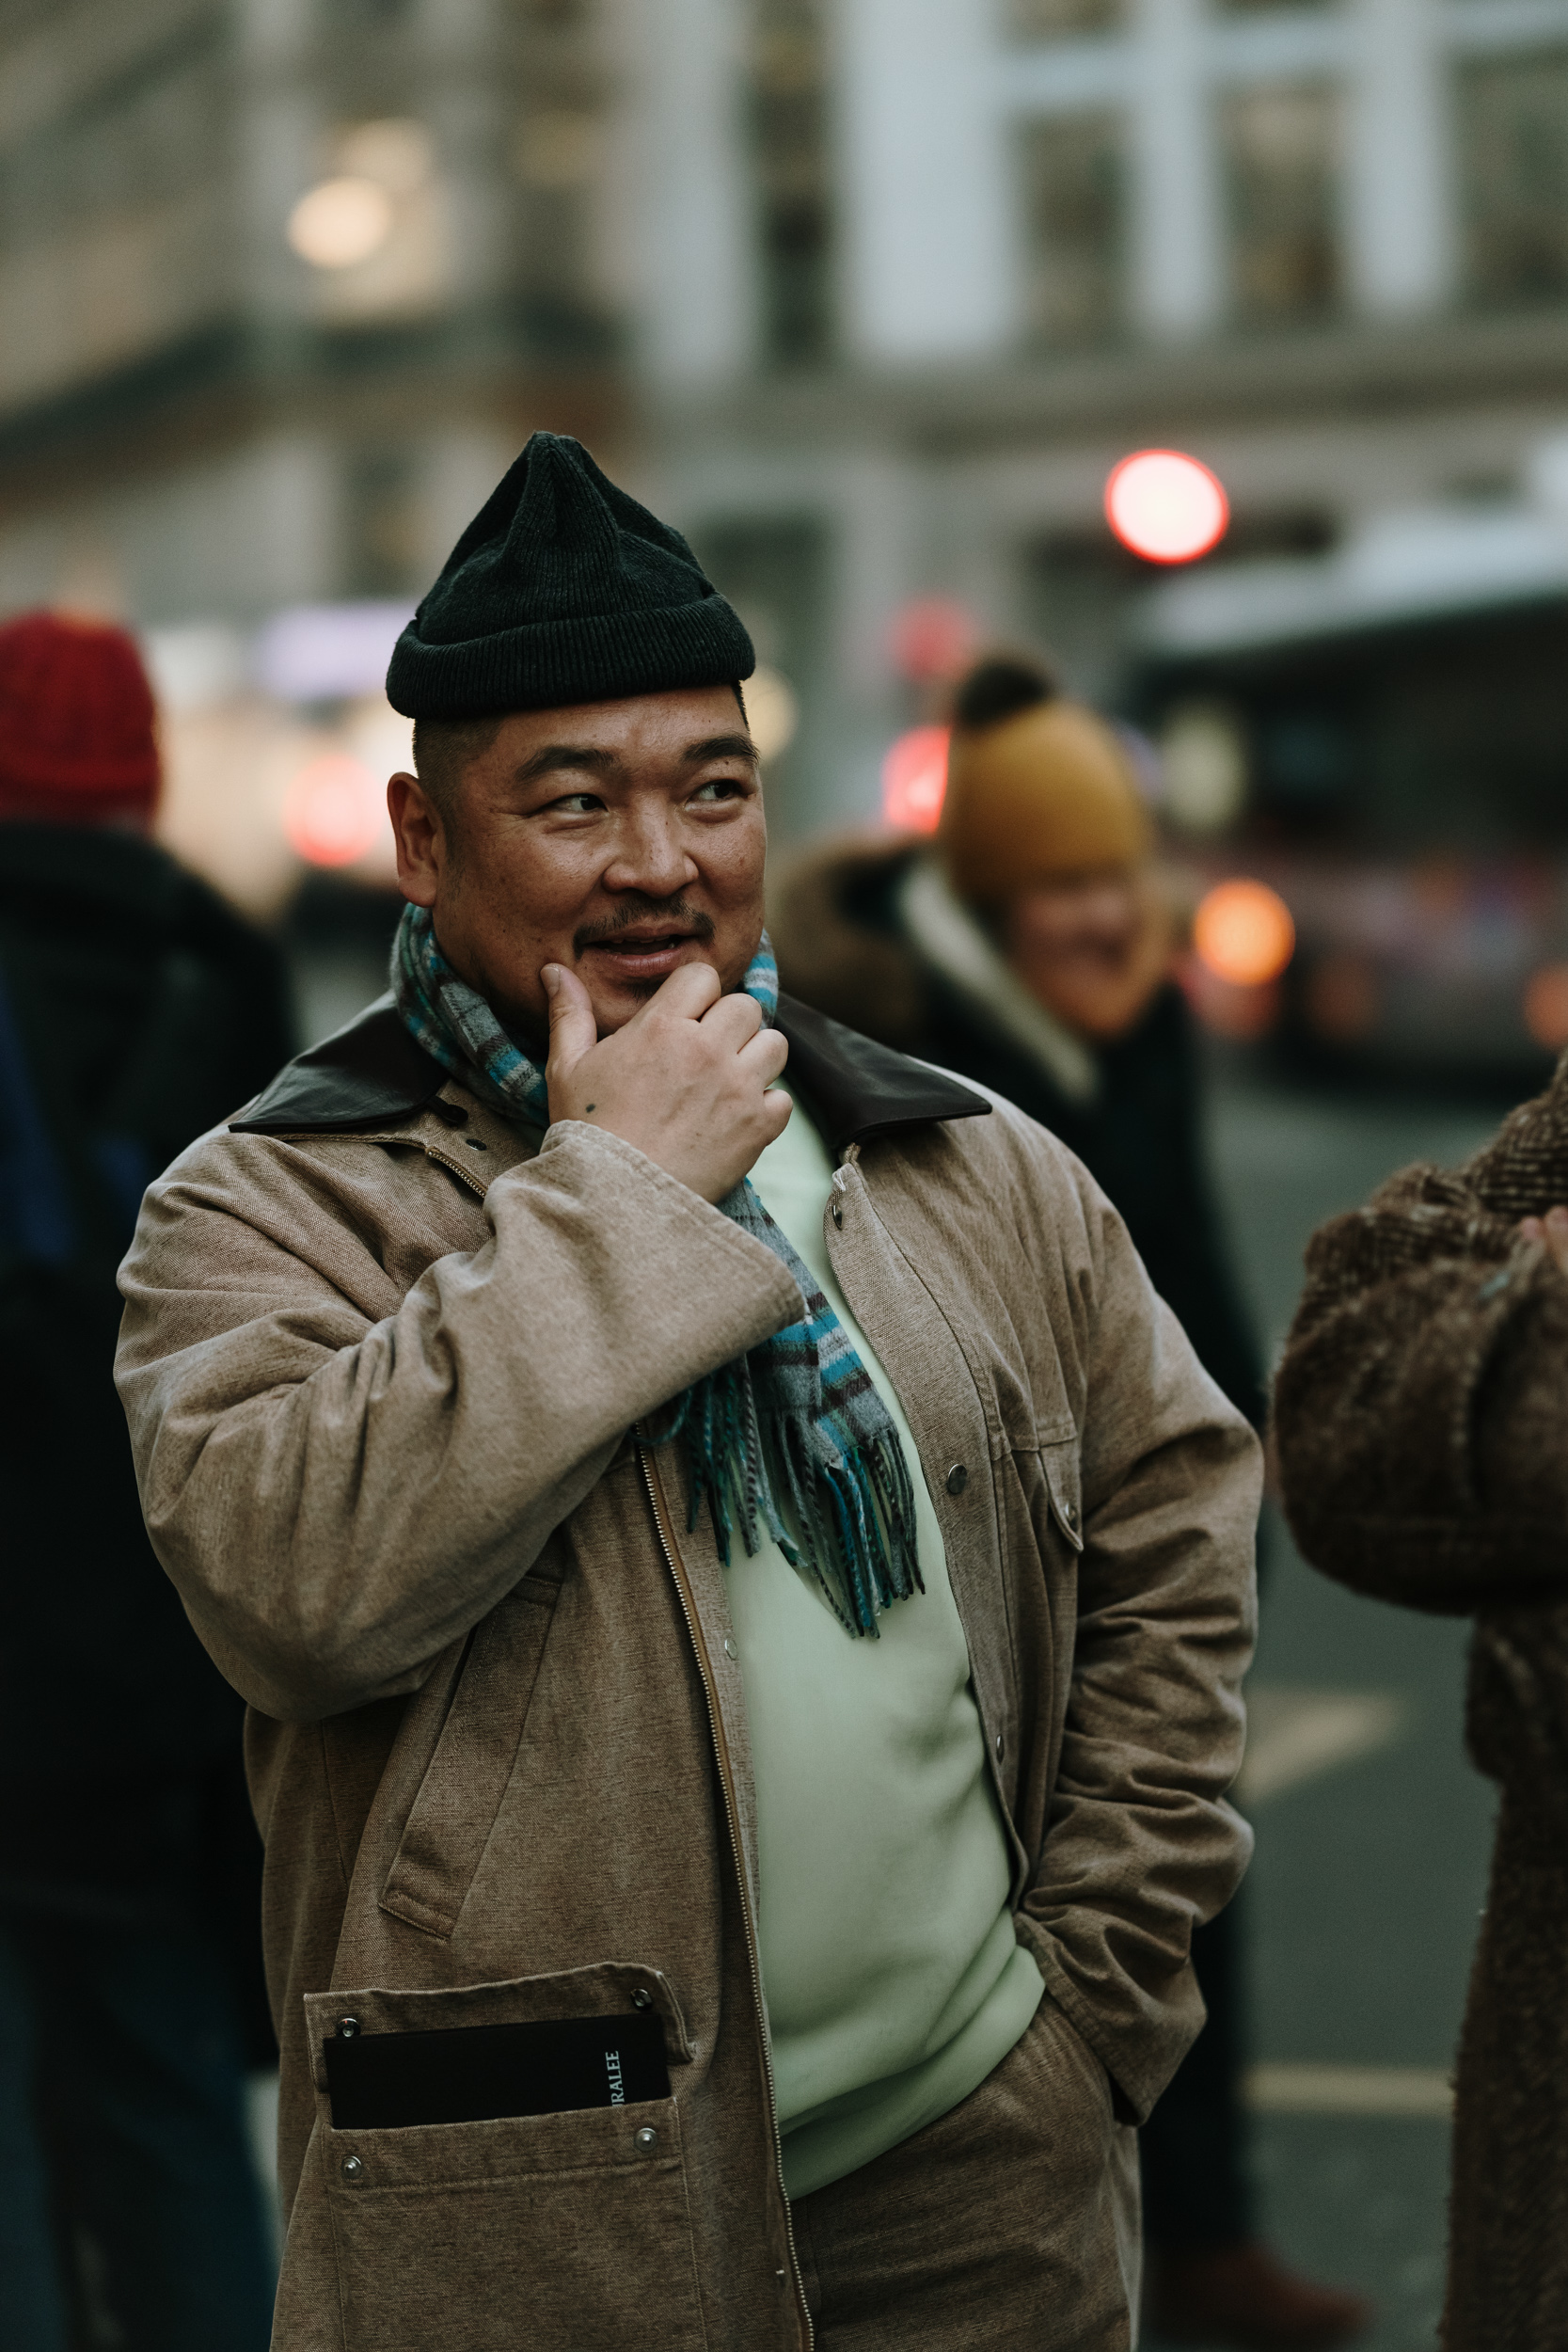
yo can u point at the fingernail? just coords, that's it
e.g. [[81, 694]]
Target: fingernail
[[551, 977]]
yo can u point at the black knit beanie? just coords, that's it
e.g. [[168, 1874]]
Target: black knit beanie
[[563, 590]]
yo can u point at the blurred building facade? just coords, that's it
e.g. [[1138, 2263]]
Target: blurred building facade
[[869, 294], [282, 282], [929, 267]]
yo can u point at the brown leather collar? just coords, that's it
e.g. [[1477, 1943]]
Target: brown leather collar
[[372, 1071]]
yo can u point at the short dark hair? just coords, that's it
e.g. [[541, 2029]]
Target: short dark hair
[[1000, 686], [445, 749]]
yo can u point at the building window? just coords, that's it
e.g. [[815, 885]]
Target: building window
[[1513, 139], [1058, 20], [792, 157], [1075, 208], [776, 570], [384, 534], [1281, 149]]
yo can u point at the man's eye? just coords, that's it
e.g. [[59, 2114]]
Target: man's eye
[[579, 804], [719, 788]]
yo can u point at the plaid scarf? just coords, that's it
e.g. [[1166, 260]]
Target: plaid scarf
[[791, 1438]]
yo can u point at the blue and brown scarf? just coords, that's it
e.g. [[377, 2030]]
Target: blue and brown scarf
[[791, 1438]]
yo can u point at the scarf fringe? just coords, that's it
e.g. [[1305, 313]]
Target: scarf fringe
[[847, 1515]]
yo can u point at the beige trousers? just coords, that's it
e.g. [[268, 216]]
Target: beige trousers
[[1011, 2225]]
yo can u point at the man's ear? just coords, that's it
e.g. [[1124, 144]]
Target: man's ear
[[421, 838]]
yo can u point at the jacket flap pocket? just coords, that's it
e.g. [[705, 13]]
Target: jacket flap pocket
[[1063, 1477], [457, 1801], [606, 1989]]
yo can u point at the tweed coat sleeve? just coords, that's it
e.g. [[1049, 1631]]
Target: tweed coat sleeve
[[1421, 1405], [346, 1462]]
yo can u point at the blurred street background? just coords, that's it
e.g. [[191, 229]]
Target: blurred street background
[[871, 297]]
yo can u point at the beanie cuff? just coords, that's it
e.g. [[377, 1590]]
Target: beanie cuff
[[544, 665], [45, 805], [26, 768]]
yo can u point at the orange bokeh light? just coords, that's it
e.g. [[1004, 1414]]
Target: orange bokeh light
[[333, 810], [914, 779], [1546, 1006], [1166, 507], [1243, 933]]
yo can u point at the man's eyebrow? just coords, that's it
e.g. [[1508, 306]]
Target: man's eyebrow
[[720, 747], [564, 756]]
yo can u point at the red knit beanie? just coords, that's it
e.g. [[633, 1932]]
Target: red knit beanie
[[77, 724]]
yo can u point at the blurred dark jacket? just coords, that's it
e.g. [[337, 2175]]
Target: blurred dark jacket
[[1421, 1413], [136, 1010], [866, 932]]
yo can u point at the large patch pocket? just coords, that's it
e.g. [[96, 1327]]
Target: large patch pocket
[[566, 2232]]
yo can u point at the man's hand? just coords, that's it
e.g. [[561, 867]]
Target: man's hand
[[685, 1080], [1552, 1230]]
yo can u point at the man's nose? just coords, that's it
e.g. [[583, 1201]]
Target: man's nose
[[649, 857]]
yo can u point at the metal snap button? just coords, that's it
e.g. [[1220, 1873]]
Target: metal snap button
[[957, 1479], [836, 1212], [353, 2169], [1000, 1747], [647, 2138], [730, 1650], [347, 2028], [1069, 1514], [474, 1144], [642, 1997]]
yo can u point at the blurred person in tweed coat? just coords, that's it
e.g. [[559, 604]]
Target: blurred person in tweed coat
[[1420, 1418]]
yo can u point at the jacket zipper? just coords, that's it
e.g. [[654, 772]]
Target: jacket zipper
[[464, 1175], [655, 1493]]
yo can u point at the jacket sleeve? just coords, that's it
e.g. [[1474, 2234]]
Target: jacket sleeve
[[1419, 1408], [340, 1480], [1140, 1845]]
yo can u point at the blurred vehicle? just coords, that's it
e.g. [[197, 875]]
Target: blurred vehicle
[[1381, 735]]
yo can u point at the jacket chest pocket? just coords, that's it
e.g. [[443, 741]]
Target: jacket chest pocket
[[560, 2232], [1043, 1502], [457, 1801]]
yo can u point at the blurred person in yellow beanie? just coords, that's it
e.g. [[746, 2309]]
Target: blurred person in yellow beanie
[[1029, 948], [135, 1009], [1044, 835]]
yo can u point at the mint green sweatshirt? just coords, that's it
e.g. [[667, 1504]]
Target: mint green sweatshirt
[[894, 1979]]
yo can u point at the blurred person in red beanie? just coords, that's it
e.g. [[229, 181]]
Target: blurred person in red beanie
[[1029, 950], [135, 1009]]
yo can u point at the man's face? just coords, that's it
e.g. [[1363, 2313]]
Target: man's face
[[620, 838]]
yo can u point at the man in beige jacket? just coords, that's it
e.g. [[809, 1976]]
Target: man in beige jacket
[[741, 1594]]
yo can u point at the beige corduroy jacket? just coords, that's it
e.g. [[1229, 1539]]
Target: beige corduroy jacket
[[384, 1373]]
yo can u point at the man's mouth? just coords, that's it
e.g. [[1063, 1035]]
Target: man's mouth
[[638, 954]]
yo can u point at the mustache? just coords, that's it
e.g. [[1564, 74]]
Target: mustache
[[640, 909]]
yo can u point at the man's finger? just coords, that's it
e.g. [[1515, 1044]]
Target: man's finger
[[764, 1055], [686, 995], [735, 1019], [573, 1027]]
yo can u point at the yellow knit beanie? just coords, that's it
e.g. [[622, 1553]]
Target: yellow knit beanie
[[1048, 791]]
